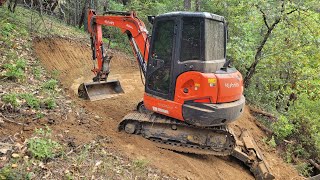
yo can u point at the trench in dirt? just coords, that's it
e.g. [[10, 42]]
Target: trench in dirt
[[72, 59]]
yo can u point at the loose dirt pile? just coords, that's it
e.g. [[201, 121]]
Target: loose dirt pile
[[72, 59]]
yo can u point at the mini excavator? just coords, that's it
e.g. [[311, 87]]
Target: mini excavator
[[191, 92]]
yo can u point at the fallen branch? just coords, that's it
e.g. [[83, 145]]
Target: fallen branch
[[316, 165], [74, 149], [6, 144], [258, 111], [11, 121], [263, 127]]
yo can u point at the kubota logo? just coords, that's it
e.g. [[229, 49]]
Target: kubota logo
[[231, 85], [109, 22], [129, 26]]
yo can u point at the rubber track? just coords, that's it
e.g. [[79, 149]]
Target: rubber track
[[179, 146]]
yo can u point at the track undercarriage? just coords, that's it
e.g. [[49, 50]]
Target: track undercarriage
[[172, 134]]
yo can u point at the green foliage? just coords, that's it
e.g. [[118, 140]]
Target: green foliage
[[10, 99], [52, 84], [7, 173], [305, 115], [287, 81], [140, 164], [39, 115], [283, 128], [21, 64], [69, 176], [13, 72], [55, 74], [41, 146], [83, 154], [50, 103], [304, 169], [31, 100], [7, 28], [272, 142], [37, 72]]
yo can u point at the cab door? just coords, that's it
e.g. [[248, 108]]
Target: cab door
[[160, 63]]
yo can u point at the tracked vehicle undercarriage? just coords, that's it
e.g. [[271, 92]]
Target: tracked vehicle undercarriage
[[171, 134]]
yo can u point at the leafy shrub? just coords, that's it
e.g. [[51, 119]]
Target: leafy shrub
[[21, 64], [50, 103], [52, 84], [13, 72], [283, 128], [140, 164], [41, 146], [304, 169], [39, 115], [31, 100], [7, 29], [305, 115], [37, 72], [10, 99], [7, 173], [272, 142]]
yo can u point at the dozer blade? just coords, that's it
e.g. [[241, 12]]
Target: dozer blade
[[99, 90], [248, 152]]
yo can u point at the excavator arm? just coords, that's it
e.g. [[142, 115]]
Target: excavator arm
[[129, 24], [137, 33]]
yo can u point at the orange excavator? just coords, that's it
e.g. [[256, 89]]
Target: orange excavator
[[191, 92]]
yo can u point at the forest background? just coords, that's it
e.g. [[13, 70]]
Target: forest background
[[273, 43]]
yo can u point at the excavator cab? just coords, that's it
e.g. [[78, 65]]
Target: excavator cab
[[182, 42], [187, 67]]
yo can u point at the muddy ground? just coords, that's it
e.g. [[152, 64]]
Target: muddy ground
[[72, 60]]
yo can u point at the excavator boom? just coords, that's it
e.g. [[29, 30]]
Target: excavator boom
[[137, 33]]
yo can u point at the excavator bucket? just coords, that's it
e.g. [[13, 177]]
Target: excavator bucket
[[99, 90]]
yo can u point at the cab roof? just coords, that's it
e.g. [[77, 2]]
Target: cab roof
[[192, 14]]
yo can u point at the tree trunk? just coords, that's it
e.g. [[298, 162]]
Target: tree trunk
[[252, 69], [197, 6], [125, 2], [106, 6], [83, 14], [187, 5]]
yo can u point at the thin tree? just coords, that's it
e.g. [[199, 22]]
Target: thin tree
[[270, 27], [197, 5], [187, 5]]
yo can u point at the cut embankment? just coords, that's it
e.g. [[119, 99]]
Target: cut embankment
[[72, 60]]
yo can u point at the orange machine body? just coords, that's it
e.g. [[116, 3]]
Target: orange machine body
[[205, 88]]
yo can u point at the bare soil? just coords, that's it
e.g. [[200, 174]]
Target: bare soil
[[72, 59]]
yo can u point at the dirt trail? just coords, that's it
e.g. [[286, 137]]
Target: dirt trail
[[73, 62]]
